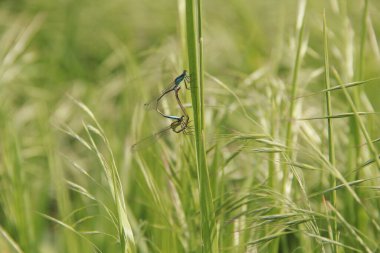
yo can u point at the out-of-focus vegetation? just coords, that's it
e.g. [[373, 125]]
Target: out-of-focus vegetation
[[286, 174]]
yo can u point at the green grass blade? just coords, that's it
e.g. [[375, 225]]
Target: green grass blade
[[361, 124], [9, 239], [195, 56], [339, 116], [126, 237], [330, 131], [294, 83], [339, 87]]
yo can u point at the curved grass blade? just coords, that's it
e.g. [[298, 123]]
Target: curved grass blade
[[339, 87], [339, 116]]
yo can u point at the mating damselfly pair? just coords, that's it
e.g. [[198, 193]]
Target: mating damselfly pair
[[180, 123]]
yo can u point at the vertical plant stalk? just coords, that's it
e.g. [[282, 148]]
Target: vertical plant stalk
[[358, 77], [363, 36], [200, 48], [195, 55], [182, 30], [330, 132], [289, 128], [361, 217], [356, 91]]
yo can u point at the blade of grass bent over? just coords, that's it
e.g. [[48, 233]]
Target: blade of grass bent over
[[112, 175]]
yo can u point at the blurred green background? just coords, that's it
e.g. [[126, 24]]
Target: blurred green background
[[113, 56]]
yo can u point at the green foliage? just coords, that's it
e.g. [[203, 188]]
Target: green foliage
[[284, 110]]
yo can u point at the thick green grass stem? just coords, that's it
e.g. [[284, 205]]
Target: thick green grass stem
[[195, 55]]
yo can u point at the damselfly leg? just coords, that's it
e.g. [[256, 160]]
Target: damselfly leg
[[184, 123], [186, 80]]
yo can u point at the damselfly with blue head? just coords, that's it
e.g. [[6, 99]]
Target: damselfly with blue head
[[174, 86]]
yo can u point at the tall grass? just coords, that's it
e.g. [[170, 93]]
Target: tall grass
[[330, 131], [284, 111], [195, 56]]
